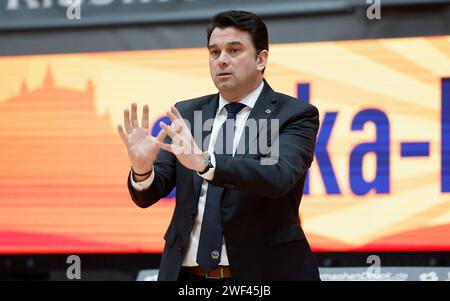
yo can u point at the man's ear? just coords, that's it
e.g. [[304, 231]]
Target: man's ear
[[261, 60]]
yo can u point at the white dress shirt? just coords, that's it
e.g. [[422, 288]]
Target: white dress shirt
[[190, 258]]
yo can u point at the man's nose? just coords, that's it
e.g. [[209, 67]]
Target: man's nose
[[224, 59]]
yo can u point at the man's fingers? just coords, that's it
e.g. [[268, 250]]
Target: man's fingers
[[176, 150], [164, 146], [126, 121], [177, 124], [161, 136], [176, 112], [122, 134], [145, 117], [134, 122], [171, 116], [131, 123], [169, 131]]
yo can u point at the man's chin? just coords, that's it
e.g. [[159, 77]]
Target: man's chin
[[225, 86]]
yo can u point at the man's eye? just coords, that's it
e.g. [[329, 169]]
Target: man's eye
[[214, 53]]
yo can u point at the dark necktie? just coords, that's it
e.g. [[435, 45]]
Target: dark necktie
[[211, 234]]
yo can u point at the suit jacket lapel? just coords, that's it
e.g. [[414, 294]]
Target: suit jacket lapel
[[263, 109], [208, 111]]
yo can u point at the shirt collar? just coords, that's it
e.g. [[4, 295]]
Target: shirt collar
[[248, 100]]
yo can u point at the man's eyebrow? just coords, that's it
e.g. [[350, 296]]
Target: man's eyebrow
[[235, 43], [229, 43]]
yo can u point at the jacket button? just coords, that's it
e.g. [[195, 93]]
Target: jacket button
[[180, 251]]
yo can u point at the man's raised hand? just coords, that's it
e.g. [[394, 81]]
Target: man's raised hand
[[141, 146], [183, 145]]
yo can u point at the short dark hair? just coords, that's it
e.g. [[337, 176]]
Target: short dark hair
[[244, 21]]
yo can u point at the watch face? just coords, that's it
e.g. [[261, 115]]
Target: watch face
[[207, 159], [208, 162]]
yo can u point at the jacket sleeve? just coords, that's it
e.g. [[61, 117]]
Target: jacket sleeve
[[296, 142]]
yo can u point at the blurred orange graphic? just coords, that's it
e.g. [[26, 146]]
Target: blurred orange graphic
[[64, 169]]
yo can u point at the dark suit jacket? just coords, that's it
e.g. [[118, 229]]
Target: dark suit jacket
[[260, 203]]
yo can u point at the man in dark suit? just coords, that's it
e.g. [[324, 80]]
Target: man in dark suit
[[237, 199]]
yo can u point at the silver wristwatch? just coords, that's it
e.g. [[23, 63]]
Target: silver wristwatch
[[207, 161]]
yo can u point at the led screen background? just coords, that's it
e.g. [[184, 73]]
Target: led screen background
[[384, 105]]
